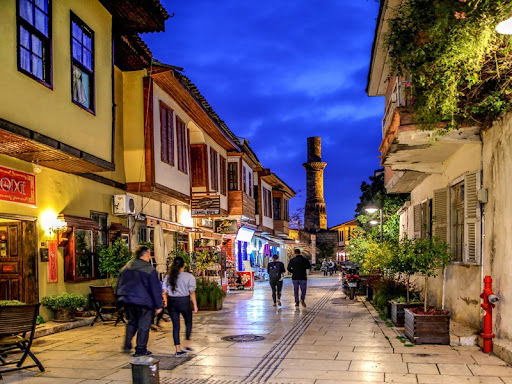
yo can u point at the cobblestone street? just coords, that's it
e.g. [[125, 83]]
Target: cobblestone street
[[333, 340]]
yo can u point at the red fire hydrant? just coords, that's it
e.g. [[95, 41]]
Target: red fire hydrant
[[489, 300]]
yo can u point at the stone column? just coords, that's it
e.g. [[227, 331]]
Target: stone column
[[315, 214]]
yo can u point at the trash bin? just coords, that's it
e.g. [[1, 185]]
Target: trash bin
[[145, 370]]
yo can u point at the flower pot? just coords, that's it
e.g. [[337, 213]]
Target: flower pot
[[397, 312], [217, 306], [63, 315], [427, 328]]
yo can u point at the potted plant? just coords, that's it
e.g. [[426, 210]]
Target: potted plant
[[112, 259], [428, 325], [209, 295], [64, 305], [403, 263]]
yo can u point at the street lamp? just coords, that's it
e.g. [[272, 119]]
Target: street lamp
[[371, 210], [505, 27]]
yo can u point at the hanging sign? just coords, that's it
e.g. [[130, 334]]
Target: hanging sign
[[226, 226], [53, 271], [17, 187], [205, 205]]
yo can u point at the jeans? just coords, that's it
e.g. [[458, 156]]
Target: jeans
[[277, 287], [180, 306], [303, 285], [139, 321]]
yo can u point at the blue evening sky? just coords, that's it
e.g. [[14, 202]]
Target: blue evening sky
[[278, 71]]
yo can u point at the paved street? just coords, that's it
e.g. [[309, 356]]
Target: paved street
[[333, 340]]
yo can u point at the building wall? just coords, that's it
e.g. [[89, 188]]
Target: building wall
[[57, 193], [133, 126], [444, 290], [51, 112], [497, 156], [166, 174]]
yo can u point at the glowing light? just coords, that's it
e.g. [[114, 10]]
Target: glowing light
[[505, 27], [186, 218], [373, 222], [51, 223], [371, 210]]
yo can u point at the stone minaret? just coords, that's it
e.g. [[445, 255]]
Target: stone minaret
[[315, 215]]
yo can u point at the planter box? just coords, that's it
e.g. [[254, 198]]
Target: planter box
[[212, 307], [388, 310], [427, 329], [397, 312]]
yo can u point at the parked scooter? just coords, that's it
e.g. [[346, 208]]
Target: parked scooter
[[351, 280]]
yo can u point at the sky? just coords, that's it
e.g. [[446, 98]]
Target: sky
[[279, 71]]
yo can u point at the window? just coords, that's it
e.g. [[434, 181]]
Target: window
[[182, 140], [82, 64], [250, 189], [223, 185], [34, 39], [214, 170], [277, 208], [342, 235], [101, 219], [457, 193], [286, 210], [267, 202], [244, 178], [166, 134], [233, 176]]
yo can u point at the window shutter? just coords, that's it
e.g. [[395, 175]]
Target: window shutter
[[170, 137], [440, 211], [164, 153], [472, 219], [417, 220]]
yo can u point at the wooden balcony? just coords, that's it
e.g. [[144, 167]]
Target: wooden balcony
[[281, 227], [240, 204]]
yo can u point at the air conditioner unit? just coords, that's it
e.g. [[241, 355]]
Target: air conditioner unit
[[123, 205]]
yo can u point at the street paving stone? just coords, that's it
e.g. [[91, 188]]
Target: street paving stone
[[333, 340]]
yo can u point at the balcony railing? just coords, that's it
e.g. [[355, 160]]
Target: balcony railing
[[400, 96]]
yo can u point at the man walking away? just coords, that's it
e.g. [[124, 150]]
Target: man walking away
[[298, 267], [140, 292], [275, 272]]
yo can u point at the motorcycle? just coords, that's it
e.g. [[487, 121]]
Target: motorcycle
[[351, 281]]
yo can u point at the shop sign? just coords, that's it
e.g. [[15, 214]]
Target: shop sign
[[53, 275], [226, 226], [17, 187], [205, 205]]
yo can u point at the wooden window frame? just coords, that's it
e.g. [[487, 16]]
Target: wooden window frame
[[233, 184], [47, 58], [250, 191], [223, 175], [244, 179], [278, 208], [182, 144], [214, 170], [166, 134], [73, 62], [267, 202]]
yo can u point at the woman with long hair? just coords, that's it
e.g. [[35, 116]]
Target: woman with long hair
[[180, 299]]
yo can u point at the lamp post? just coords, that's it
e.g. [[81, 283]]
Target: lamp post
[[371, 211]]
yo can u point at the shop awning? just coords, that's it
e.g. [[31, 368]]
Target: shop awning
[[166, 225], [245, 234]]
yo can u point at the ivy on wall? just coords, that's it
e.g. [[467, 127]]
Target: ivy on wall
[[459, 67]]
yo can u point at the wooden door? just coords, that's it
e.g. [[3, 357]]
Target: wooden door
[[11, 266], [18, 261]]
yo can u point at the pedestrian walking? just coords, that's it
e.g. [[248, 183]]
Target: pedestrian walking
[[276, 272], [180, 299], [325, 267], [140, 292], [331, 267], [298, 267]]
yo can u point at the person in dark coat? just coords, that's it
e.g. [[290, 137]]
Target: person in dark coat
[[276, 272], [140, 292], [298, 267]]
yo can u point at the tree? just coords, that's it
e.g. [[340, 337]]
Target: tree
[[297, 219], [113, 258], [326, 250]]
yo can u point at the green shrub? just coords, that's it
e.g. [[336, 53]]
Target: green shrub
[[64, 300], [112, 259], [4, 303], [386, 290], [208, 292]]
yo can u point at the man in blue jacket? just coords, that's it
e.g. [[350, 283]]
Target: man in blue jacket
[[140, 292]]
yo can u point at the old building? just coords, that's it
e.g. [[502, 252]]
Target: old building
[[344, 233], [457, 185], [315, 212], [62, 139]]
